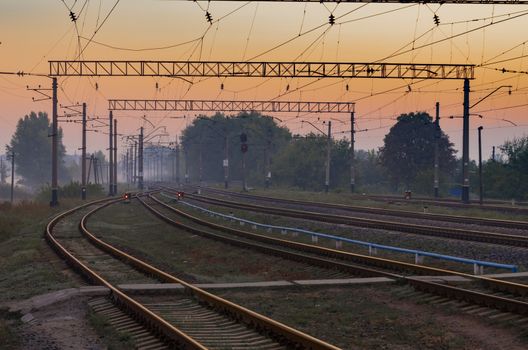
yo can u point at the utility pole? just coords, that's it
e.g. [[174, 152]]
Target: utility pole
[[83, 153], [243, 149], [200, 165], [480, 164], [493, 154], [328, 146], [96, 166], [268, 157], [54, 147], [352, 153], [2, 171], [140, 160], [436, 156], [126, 167], [111, 157], [12, 175], [465, 145], [186, 155], [114, 191], [134, 160], [88, 172], [177, 163], [161, 163], [226, 160]]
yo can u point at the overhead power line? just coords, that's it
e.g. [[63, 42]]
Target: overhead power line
[[455, 2]]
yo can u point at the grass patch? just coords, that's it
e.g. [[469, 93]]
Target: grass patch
[[27, 264], [8, 329], [113, 339]]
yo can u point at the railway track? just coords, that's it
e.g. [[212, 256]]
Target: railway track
[[504, 295], [516, 224], [494, 205], [195, 319], [447, 232]]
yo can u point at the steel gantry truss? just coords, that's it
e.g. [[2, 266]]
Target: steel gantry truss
[[238, 106], [261, 69], [230, 106], [318, 70]]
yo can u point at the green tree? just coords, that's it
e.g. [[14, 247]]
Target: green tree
[[32, 147], [409, 149], [508, 176], [209, 133], [302, 163]]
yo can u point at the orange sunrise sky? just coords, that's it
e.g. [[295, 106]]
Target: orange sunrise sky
[[35, 31]]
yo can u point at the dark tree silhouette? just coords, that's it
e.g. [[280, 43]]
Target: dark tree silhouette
[[409, 149], [32, 147]]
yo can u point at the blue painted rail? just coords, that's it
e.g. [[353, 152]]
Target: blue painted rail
[[478, 265]]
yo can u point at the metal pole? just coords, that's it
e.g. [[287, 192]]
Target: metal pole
[[268, 159], [96, 171], [436, 155], [244, 183], [134, 160], [328, 146], [352, 153], [12, 176], [126, 167], [54, 147], [83, 153], [161, 164], [200, 165], [177, 163], [493, 154], [226, 160], [111, 156], [186, 154], [480, 164], [140, 160], [114, 191], [89, 169], [465, 145]]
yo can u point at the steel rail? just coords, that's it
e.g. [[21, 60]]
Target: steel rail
[[468, 235], [500, 285], [501, 303], [448, 203], [131, 306], [284, 333], [381, 211]]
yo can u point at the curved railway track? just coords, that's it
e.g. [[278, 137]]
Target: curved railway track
[[523, 225], [196, 319], [455, 233], [506, 296]]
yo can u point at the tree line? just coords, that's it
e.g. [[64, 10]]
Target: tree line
[[404, 162]]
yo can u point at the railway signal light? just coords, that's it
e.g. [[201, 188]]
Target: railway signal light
[[244, 147], [243, 138]]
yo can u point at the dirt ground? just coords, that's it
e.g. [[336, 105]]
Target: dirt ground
[[61, 325]]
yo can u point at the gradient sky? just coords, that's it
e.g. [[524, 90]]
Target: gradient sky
[[33, 31]]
